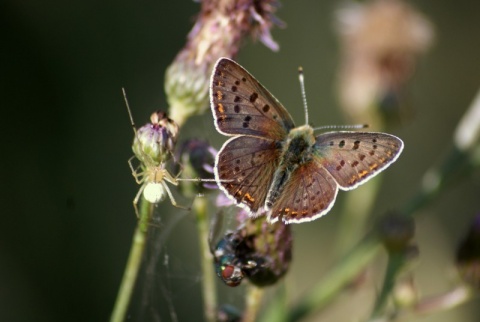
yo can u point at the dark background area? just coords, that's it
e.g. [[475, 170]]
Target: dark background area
[[66, 189]]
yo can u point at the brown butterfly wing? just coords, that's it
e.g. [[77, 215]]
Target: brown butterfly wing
[[353, 158], [242, 106], [244, 170], [309, 194]]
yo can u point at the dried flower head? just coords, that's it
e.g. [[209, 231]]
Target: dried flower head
[[381, 41], [218, 32]]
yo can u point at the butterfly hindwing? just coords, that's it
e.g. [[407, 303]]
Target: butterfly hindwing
[[242, 106], [352, 158], [244, 168], [309, 194]]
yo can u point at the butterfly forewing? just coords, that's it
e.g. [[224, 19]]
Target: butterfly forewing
[[309, 194], [244, 167], [242, 106], [352, 158]]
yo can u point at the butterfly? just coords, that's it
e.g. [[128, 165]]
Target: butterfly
[[270, 166]]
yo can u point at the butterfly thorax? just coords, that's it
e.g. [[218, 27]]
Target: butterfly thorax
[[296, 151]]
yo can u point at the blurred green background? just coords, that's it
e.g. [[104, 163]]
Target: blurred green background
[[67, 191]]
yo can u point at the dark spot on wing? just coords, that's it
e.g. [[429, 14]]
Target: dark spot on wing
[[356, 145]]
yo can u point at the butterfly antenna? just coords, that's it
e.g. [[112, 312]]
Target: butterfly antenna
[[342, 127], [129, 111], [302, 88]]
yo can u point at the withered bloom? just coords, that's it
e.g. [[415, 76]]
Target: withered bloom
[[381, 41], [219, 31]]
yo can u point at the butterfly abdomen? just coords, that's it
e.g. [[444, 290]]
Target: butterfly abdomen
[[296, 152]]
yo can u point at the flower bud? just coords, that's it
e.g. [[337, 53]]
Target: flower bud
[[154, 142], [396, 232], [405, 293]]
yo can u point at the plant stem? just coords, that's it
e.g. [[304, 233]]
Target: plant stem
[[396, 262], [206, 259], [336, 279], [342, 273], [435, 180], [277, 309], [253, 303], [356, 211], [446, 301], [133, 264]]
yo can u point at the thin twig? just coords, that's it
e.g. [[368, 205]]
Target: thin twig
[[133, 264], [208, 273]]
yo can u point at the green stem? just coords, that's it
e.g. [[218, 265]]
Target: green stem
[[446, 301], [396, 262], [436, 179], [208, 272], [277, 309], [253, 303], [341, 274], [133, 264], [433, 304], [336, 279], [356, 211]]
